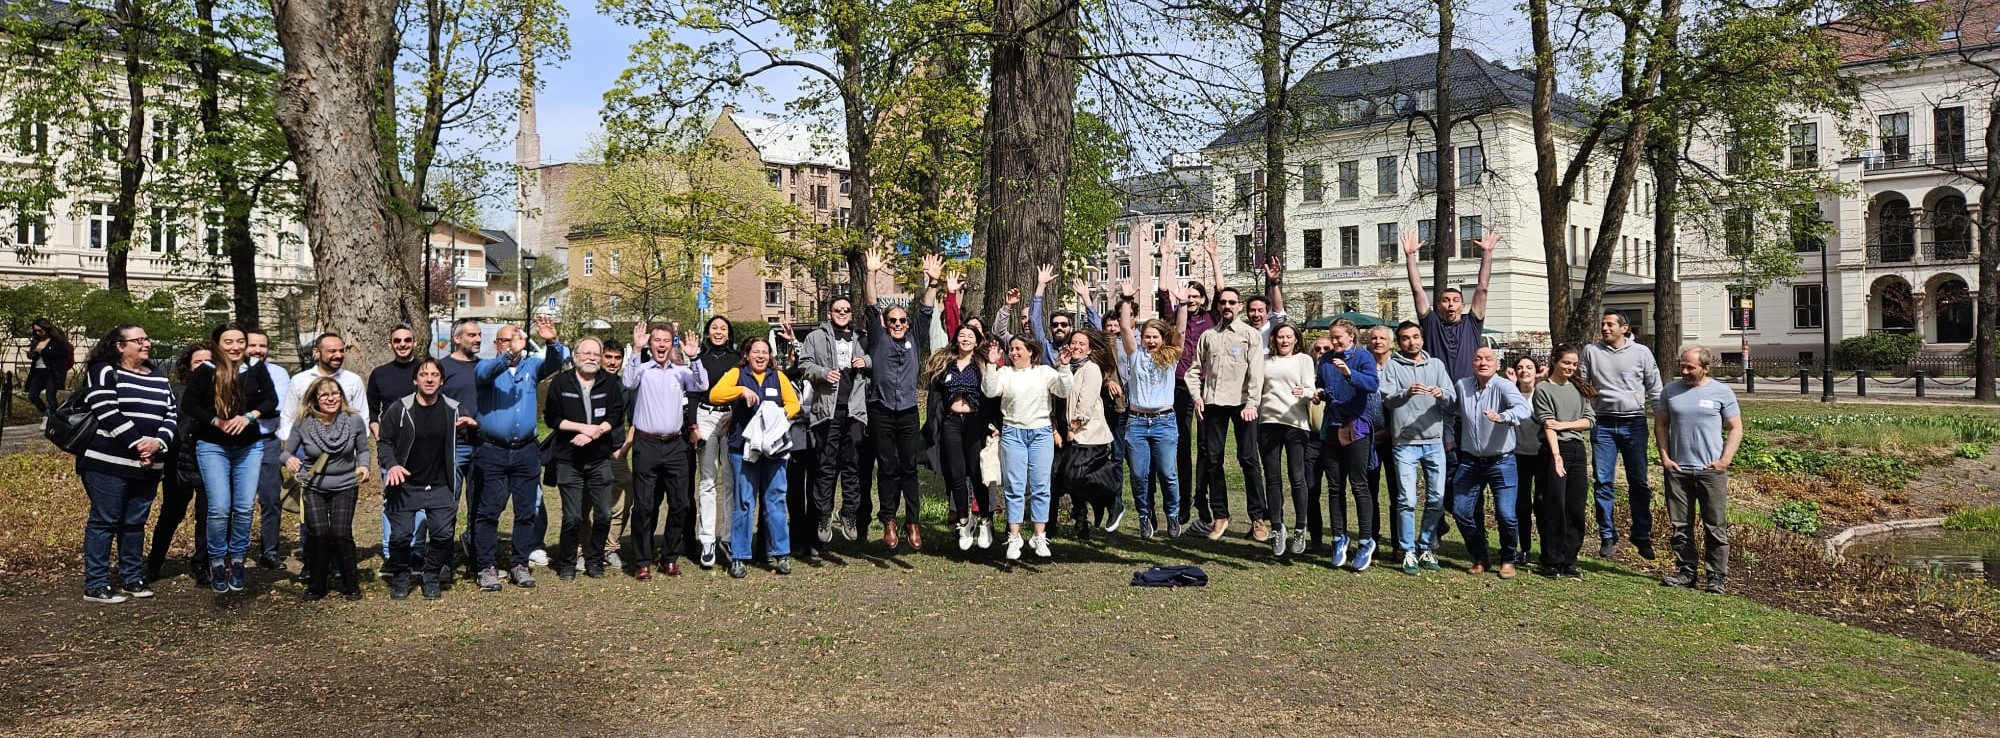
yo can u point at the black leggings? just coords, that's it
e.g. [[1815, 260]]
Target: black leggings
[[898, 443], [173, 509], [42, 387], [963, 439], [1528, 471], [330, 537], [1280, 440], [1347, 471]]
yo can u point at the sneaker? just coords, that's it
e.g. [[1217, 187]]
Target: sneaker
[[707, 559], [433, 590], [1645, 549], [825, 531], [236, 583], [1014, 546], [1428, 560], [1607, 548], [737, 570], [593, 570], [1260, 530], [1681, 579], [783, 565], [104, 596], [964, 535], [1173, 527], [489, 580], [1363, 556], [137, 590], [399, 587], [1521, 557], [1409, 563], [218, 578], [985, 534], [270, 562], [612, 561], [1339, 551], [567, 574], [1278, 546], [1572, 572], [523, 576], [1549, 572], [1716, 585], [538, 557], [1299, 542], [1117, 516], [1145, 527], [848, 529], [1041, 546]]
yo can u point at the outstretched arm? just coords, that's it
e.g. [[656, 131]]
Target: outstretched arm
[[1486, 245], [1410, 248]]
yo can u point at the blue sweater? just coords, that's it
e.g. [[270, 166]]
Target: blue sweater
[[1347, 396], [507, 404]]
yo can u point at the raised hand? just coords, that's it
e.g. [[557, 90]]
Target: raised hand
[[933, 267], [1128, 289], [1181, 294], [1044, 274], [545, 328], [639, 332], [993, 354], [1013, 297], [1275, 269], [1487, 242], [1410, 244], [954, 282], [876, 260], [689, 346], [1081, 287]]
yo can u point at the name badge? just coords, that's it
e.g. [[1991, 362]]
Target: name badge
[[1236, 352], [1707, 404], [770, 392], [600, 412]]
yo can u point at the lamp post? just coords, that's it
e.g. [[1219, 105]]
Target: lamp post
[[1749, 303], [1825, 325], [429, 213], [528, 286]]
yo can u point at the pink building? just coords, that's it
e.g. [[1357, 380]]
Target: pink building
[[1163, 234]]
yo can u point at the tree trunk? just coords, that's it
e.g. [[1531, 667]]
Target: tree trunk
[[132, 41], [1272, 67], [851, 29], [334, 84], [1444, 232], [236, 200], [1030, 111], [1666, 160], [1552, 189], [1983, 336]]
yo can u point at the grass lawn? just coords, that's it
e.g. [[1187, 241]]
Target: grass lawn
[[863, 642]]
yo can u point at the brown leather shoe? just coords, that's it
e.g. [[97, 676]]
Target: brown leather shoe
[[889, 534], [1507, 570], [1478, 567], [1218, 529], [643, 574], [916, 538], [1260, 530], [673, 568]]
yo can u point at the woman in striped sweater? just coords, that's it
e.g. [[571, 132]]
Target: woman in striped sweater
[[121, 468]]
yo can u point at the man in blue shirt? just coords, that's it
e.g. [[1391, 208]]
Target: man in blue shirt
[[1489, 406], [510, 462]]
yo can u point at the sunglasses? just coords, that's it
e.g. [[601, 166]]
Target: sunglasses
[[1228, 302], [897, 321], [1059, 325], [841, 311], [400, 341]]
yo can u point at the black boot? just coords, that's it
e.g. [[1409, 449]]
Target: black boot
[[399, 586], [350, 577], [317, 568]]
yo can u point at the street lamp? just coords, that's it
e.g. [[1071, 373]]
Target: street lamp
[[1749, 303], [1825, 323], [429, 213], [528, 272]]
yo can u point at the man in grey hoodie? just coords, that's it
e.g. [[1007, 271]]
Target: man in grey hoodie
[[1417, 398], [832, 359], [1628, 381]]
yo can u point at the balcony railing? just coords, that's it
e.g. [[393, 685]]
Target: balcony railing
[[1931, 252], [1892, 253], [1950, 250], [1919, 157]]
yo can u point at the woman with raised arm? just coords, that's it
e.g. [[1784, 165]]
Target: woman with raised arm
[[1027, 442], [1149, 361]]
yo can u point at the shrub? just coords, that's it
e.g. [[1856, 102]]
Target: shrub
[[1971, 451], [1877, 350], [1979, 519], [1798, 516]]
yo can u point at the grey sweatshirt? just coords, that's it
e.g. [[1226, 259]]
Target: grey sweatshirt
[[344, 442], [1420, 420], [1627, 378]]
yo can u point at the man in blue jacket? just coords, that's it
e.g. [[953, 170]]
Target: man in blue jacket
[[510, 462]]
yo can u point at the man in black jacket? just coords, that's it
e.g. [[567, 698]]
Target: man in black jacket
[[586, 409]]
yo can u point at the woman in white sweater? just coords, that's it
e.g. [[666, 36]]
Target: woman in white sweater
[[1285, 426], [1027, 442]]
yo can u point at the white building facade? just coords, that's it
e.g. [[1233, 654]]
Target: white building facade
[[1364, 176]]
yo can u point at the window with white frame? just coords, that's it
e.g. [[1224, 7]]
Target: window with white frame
[[31, 229], [1186, 232], [166, 231], [589, 264], [774, 294], [464, 299], [98, 217]]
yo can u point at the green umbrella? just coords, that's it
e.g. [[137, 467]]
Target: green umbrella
[[1360, 320]]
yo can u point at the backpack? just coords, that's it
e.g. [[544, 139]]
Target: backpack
[[71, 425]]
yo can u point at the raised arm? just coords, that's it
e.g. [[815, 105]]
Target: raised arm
[[1486, 244], [1130, 336], [1275, 273], [1410, 248], [1214, 249]]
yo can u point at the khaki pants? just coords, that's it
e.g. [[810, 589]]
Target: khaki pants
[[1707, 489]]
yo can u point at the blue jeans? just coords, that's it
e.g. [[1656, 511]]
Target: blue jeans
[[1612, 439], [506, 475], [1027, 455], [765, 478], [1430, 457], [118, 510], [1474, 475], [230, 474], [1154, 443]]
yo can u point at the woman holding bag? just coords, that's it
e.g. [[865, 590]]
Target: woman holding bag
[[744, 390], [328, 453]]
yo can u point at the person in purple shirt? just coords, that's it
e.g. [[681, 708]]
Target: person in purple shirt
[[660, 381], [1347, 378], [1198, 320]]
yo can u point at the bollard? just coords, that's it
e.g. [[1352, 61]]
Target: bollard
[[1861, 382], [6, 398], [1749, 379], [1805, 382], [1919, 376]]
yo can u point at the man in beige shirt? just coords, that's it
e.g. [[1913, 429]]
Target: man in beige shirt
[[1227, 375]]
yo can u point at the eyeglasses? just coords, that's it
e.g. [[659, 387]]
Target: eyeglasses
[[841, 311], [141, 339], [896, 321], [1228, 302], [400, 341]]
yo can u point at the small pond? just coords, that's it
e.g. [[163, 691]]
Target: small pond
[[1947, 552]]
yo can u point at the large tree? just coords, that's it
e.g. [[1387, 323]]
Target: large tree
[[1023, 187]]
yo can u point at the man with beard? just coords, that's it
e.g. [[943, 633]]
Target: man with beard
[[270, 504], [833, 361], [388, 383], [1226, 380], [461, 384], [586, 411], [621, 461]]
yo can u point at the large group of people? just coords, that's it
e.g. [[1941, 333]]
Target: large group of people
[[729, 451]]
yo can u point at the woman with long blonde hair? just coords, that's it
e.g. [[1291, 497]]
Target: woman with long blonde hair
[[1148, 363], [328, 453]]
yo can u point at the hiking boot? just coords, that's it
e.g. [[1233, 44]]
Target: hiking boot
[[1716, 585], [985, 533], [103, 596], [1339, 556], [1645, 549], [783, 566], [737, 570], [1260, 530], [523, 576], [489, 580], [848, 529], [1681, 579], [1607, 548], [825, 532], [1014, 546], [1278, 546], [1364, 556], [1409, 563], [1428, 561], [399, 587]]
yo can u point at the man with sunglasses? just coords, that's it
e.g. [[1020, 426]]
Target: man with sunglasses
[[1056, 334], [832, 360], [388, 383]]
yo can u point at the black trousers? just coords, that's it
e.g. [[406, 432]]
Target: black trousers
[[583, 482], [1566, 504], [329, 533], [173, 508], [1215, 424], [1310, 516], [440, 508], [898, 444], [1347, 472], [660, 473], [1284, 452], [1528, 470], [42, 387], [801, 472], [1190, 482], [1383, 477], [963, 439], [846, 459]]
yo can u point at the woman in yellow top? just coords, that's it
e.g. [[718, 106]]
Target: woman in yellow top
[[745, 389]]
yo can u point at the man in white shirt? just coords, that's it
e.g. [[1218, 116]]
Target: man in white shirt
[[329, 353], [270, 504]]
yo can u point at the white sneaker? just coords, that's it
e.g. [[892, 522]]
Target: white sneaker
[[538, 558], [985, 534], [965, 536], [611, 560], [708, 556], [1041, 544], [1278, 541], [1014, 547]]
